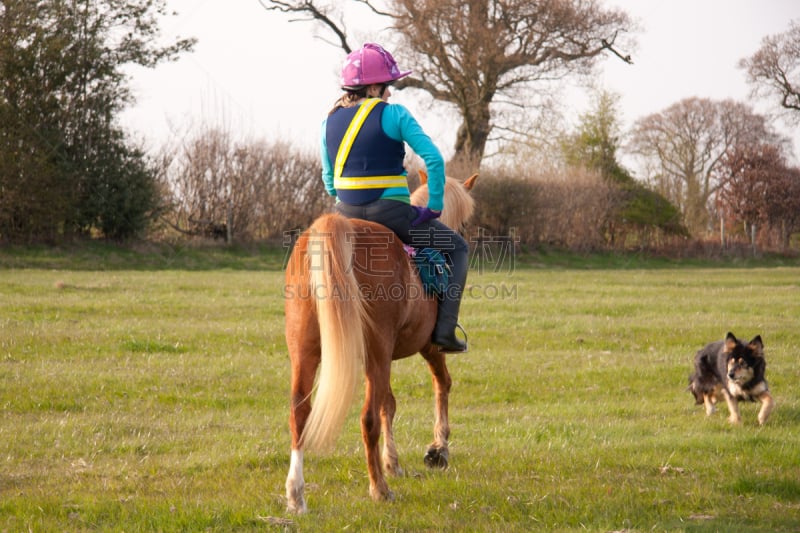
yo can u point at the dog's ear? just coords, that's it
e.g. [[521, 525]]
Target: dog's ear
[[730, 342], [757, 346]]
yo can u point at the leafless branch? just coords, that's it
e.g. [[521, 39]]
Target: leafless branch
[[609, 45], [316, 13], [375, 9], [466, 53]]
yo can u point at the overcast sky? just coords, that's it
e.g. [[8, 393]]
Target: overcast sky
[[262, 76]]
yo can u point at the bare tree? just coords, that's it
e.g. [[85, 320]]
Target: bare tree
[[783, 201], [684, 145], [747, 174], [774, 70], [241, 190], [486, 56], [760, 190]]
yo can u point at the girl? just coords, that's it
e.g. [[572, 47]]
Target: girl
[[362, 166]]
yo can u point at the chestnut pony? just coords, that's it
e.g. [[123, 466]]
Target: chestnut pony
[[353, 304]]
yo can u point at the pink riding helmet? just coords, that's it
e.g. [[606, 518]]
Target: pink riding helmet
[[370, 64]]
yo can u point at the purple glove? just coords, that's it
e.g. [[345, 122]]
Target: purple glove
[[424, 214]]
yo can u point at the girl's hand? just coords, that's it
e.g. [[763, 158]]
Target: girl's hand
[[424, 215]]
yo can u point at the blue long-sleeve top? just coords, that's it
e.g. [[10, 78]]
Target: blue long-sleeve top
[[399, 124]]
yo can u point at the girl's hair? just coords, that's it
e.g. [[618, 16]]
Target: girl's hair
[[349, 99]]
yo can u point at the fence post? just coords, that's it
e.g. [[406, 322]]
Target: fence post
[[229, 223]]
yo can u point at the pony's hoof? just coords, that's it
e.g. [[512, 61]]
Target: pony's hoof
[[298, 508], [394, 470], [381, 495], [436, 458], [295, 497]]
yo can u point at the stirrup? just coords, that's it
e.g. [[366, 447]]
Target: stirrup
[[451, 349], [466, 340]]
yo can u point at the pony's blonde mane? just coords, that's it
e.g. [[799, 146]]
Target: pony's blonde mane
[[458, 203]]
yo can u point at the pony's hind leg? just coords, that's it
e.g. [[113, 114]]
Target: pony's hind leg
[[377, 391], [391, 460], [438, 452], [303, 372]]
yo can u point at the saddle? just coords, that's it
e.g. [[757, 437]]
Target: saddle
[[434, 272]]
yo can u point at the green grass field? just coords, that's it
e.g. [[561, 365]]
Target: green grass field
[[148, 391]]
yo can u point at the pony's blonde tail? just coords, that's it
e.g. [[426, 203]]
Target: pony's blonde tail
[[342, 318]]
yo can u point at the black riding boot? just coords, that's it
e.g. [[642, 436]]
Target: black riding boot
[[444, 333]]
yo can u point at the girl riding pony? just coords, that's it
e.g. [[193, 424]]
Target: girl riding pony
[[363, 148]]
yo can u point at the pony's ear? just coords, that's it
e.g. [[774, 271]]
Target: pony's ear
[[470, 183], [423, 177]]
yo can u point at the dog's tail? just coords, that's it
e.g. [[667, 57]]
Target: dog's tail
[[698, 394]]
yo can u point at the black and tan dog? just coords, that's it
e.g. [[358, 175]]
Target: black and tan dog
[[732, 370]]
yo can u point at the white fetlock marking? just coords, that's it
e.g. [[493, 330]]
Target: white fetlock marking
[[295, 484]]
